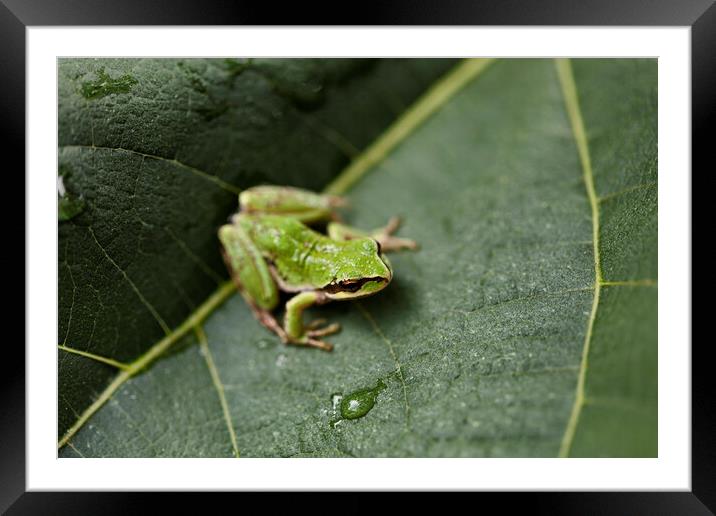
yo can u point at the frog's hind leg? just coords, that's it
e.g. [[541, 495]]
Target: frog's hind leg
[[384, 235], [252, 276], [303, 205], [267, 319], [264, 316]]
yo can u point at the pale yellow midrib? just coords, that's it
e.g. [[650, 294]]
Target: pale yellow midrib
[[420, 111], [430, 102], [569, 90]]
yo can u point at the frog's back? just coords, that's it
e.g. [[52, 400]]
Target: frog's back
[[305, 259], [301, 256]]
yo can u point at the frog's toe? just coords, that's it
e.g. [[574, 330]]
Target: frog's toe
[[317, 343], [326, 330], [391, 243], [392, 225], [308, 339], [388, 242], [404, 243]]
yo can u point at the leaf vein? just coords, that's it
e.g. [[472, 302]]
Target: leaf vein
[[144, 300], [196, 259], [398, 367], [531, 297], [209, 177], [569, 92], [74, 289], [331, 135], [426, 106], [630, 283], [216, 380], [640, 186], [92, 356], [77, 451], [201, 313]]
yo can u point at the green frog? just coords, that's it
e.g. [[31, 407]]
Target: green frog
[[269, 247]]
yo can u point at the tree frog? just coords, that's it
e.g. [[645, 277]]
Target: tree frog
[[268, 247]]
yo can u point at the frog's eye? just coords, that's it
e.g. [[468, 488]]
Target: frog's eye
[[345, 286], [351, 285], [369, 245]]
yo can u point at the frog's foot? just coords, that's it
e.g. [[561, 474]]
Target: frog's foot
[[339, 231], [314, 330], [392, 226], [320, 344], [392, 243], [308, 340], [293, 325]]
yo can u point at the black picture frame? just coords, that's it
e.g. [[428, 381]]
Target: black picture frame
[[700, 15]]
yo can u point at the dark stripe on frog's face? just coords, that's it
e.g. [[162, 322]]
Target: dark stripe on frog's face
[[351, 286], [354, 289]]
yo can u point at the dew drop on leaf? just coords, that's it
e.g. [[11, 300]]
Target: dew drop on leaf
[[359, 403]]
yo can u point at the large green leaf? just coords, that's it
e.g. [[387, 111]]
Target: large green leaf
[[152, 154], [524, 326]]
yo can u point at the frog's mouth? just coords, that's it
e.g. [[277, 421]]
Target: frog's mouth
[[355, 288]]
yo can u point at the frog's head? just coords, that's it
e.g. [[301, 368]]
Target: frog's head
[[362, 270]]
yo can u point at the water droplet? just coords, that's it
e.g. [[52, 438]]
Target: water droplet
[[264, 343], [68, 205], [105, 85], [61, 186], [281, 360], [359, 403]]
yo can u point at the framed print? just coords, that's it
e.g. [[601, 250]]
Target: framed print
[[436, 248]]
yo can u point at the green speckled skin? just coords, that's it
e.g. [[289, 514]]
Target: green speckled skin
[[307, 260]]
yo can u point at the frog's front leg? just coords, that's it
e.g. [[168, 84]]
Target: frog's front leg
[[384, 235], [293, 321]]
